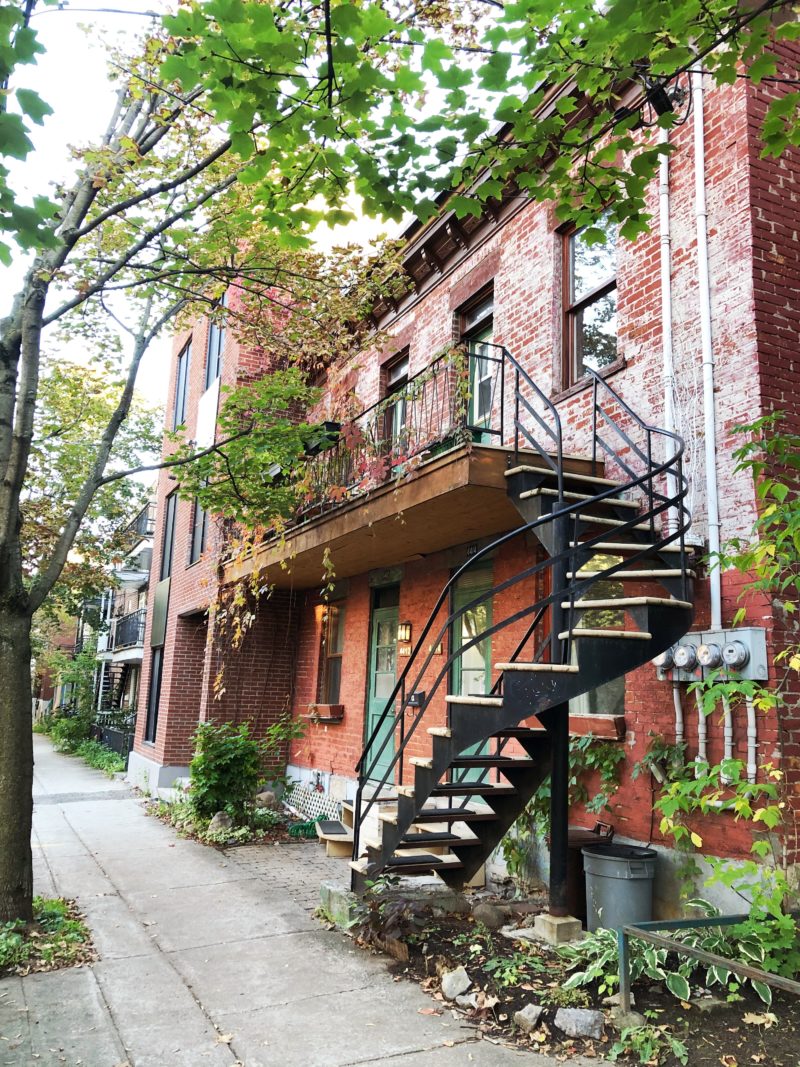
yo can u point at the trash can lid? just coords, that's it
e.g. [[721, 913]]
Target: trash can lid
[[620, 852]]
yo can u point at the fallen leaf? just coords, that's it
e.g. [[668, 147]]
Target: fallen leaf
[[428, 1011], [224, 1039], [766, 1020]]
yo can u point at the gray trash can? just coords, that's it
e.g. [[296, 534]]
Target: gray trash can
[[619, 885]]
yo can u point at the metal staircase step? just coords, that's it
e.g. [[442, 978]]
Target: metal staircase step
[[544, 668], [517, 763], [472, 789], [624, 546], [467, 815], [422, 864], [569, 476], [617, 501], [626, 635], [436, 837], [627, 602], [619, 576], [487, 702], [603, 520]]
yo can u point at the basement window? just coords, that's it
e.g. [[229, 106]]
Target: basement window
[[590, 302]]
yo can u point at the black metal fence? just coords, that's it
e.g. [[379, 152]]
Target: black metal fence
[[458, 397], [129, 631]]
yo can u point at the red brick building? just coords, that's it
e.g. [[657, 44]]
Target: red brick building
[[417, 485]]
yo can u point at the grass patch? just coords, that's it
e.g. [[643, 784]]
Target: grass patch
[[100, 757], [57, 937]]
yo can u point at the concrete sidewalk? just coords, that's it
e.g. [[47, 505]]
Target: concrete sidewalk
[[205, 957]]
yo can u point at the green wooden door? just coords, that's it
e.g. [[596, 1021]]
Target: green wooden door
[[472, 671], [382, 678]]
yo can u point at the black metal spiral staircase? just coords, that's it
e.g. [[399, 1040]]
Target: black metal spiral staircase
[[628, 527]]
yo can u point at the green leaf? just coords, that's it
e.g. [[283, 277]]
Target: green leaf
[[33, 105], [763, 991], [678, 986]]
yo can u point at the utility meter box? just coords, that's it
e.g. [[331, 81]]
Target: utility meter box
[[741, 651]]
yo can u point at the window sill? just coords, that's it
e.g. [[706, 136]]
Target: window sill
[[585, 383], [324, 713]]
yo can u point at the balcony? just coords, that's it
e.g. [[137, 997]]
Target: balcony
[[418, 472], [143, 525], [129, 630], [455, 401]]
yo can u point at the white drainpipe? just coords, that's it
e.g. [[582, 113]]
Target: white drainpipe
[[702, 733], [668, 361], [727, 732], [676, 699], [706, 342], [752, 740]]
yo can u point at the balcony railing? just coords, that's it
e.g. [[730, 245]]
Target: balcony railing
[[457, 399], [129, 630], [143, 525]]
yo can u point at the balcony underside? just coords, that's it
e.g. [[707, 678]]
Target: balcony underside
[[452, 499]]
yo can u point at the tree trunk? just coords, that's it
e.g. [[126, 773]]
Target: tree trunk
[[16, 767]]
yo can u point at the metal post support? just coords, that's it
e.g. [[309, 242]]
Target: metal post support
[[624, 970], [558, 728]]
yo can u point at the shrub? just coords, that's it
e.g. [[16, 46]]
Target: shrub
[[68, 733], [225, 769], [97, 755]]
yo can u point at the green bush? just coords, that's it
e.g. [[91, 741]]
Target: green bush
[[225, 769], [68, 733], [100, 757]]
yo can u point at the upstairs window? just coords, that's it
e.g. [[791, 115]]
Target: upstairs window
[[168, 543], [182, 386], [330, 655], [395, 414], [216, 343], [476, 329], [199, 532], [590, 302]]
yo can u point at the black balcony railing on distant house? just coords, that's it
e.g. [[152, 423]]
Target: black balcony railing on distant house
[[143, 525], [129, 630], [457, 399]]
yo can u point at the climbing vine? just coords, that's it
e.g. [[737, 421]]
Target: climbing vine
[[590, 759]]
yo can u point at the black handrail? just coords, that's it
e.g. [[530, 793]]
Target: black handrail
[[567, 559]]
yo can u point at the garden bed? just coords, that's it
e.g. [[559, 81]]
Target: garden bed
[[58, 937], [507, 975], [276, 827]]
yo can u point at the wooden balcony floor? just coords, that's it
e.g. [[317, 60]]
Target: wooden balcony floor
[[452, 499]]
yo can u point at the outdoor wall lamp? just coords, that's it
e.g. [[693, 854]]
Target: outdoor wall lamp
[[404, 631]]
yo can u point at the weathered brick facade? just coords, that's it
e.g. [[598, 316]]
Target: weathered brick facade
[[753, 225]]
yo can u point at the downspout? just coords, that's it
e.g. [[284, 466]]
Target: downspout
[[752, 740], [676, 699], [668, 361], [707, 349]]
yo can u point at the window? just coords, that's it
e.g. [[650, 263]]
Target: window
[[182, 386], [216, 343], [330, 655], [199, 532], [608, 698], [590, 302], [154, 694], [476, 328], [395, 414], [168, 543]]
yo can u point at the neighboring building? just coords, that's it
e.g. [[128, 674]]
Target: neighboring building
[[123, 606], [424, 480]]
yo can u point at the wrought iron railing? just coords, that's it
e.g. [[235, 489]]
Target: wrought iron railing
[[459, 397], [143, 525], [625, 439], [129, 630]]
